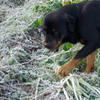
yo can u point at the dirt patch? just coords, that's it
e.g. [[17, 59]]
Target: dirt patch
[[12, 3], [34, 35]]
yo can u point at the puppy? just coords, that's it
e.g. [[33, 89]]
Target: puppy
[[74, 23]]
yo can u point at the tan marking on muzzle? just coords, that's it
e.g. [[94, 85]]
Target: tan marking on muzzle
[[54, 44], [45, 27], [53, 30]]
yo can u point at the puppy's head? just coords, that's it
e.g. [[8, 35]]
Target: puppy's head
[[56, 29]]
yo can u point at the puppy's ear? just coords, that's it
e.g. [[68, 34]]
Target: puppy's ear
[[70, 20]]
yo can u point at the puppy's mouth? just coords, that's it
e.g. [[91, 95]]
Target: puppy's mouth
[[54, 45], [54, 48]]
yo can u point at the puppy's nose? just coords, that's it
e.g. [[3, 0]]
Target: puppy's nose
[[47, 44]]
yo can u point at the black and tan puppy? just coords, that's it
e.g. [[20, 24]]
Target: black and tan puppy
[[74, 23]]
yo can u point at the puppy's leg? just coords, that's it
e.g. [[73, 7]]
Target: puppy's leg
[[84, 52], [67, 67], [90, 62]]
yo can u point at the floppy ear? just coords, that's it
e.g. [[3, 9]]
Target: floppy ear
[[70, 22]]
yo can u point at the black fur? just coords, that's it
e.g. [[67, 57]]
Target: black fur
[[74, 22]]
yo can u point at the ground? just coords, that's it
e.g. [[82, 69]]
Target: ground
[[27, 69]]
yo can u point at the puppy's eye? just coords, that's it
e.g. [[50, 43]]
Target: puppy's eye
[[53, 29], [45, 27]]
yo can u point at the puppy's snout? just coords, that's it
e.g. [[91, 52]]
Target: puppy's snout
[[47, 44]]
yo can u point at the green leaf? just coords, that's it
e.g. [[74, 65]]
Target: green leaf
[[50, 61], [69, 45], [92, 97], [11, 61], [57, 5], [36, 7], [36, 22], [66, 46], [6, 77], [62, 60]]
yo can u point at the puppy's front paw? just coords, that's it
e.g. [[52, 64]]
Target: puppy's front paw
[[62, 71]]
